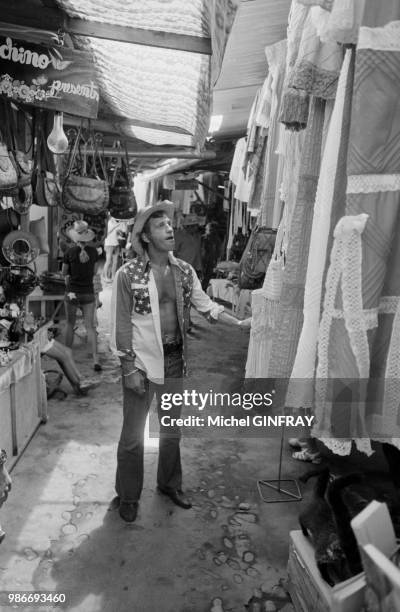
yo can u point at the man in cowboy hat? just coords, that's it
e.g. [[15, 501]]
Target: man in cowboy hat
[[79, 267], [152, 296]]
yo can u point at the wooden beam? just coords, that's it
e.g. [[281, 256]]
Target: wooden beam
[[157, 153], [119, 123], [37, 16], [139, 36], [113, 124]]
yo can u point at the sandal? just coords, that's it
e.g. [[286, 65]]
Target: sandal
[[306, 455]]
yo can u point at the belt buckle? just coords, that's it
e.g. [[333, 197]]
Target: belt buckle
[[170, 347]]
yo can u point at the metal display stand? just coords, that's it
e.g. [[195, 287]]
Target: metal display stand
[[275, 484]]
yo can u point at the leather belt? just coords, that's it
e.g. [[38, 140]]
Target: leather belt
[[172, 347]]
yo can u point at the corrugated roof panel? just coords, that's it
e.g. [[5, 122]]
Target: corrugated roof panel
[[258, 24], [161, 86], [153, 84], [189, 17]]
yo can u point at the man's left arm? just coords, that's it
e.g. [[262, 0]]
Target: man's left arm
[[210, 310]]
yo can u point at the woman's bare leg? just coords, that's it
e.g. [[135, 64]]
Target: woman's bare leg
[[63, 355], [89, 318], [108, 263], [70, 310]]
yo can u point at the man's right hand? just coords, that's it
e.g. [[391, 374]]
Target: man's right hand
[[135, 380]]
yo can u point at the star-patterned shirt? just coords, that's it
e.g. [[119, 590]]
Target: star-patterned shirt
[[135, 324]]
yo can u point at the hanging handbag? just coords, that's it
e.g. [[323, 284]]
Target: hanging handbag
[[8, 166], [8, 172], [122, 198], [23, 197], [9, 221], [256, 258], [85, 193], [46, 189], [22, 194]]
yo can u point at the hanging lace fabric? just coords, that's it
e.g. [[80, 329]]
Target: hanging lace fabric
[[264, 306], [276, 57], [296, 244], [293, 110], [305, 360], [357, 385], [314, 71], [342, 23], [373, 188], [343, 284]]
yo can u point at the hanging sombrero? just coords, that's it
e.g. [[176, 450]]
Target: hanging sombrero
[[20, 248]]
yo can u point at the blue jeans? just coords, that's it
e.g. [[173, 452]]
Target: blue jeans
[[130, 454]]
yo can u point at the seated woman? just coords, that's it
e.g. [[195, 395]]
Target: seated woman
[[63, 355]]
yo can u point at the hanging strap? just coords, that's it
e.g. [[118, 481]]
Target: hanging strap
[[128, 172], [73, 152], [97, 153]]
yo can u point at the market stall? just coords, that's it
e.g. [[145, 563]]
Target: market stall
[[71, 143], [315, 168], [104, 111]]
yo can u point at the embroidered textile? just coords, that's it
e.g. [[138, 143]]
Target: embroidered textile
[[290, 313], [328, 208], [366, 346]]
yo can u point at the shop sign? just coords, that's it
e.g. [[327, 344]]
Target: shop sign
[[57, 78]]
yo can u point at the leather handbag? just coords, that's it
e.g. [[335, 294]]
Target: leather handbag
[[256, 257], [9, 221], [8, 166], [23, 197], [84, 191], [22, 193], [8, 172], [122, 198], [46, 189]]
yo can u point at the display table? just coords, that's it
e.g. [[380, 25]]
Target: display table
[[42, 299], [23, 401]]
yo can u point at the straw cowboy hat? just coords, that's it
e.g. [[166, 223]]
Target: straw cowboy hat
[[167, 207], [80, 232]]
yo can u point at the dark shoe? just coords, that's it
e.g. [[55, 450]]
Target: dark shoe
[[128, 511], [115, 503], [85, 386], [177, 498], [97, 367]]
